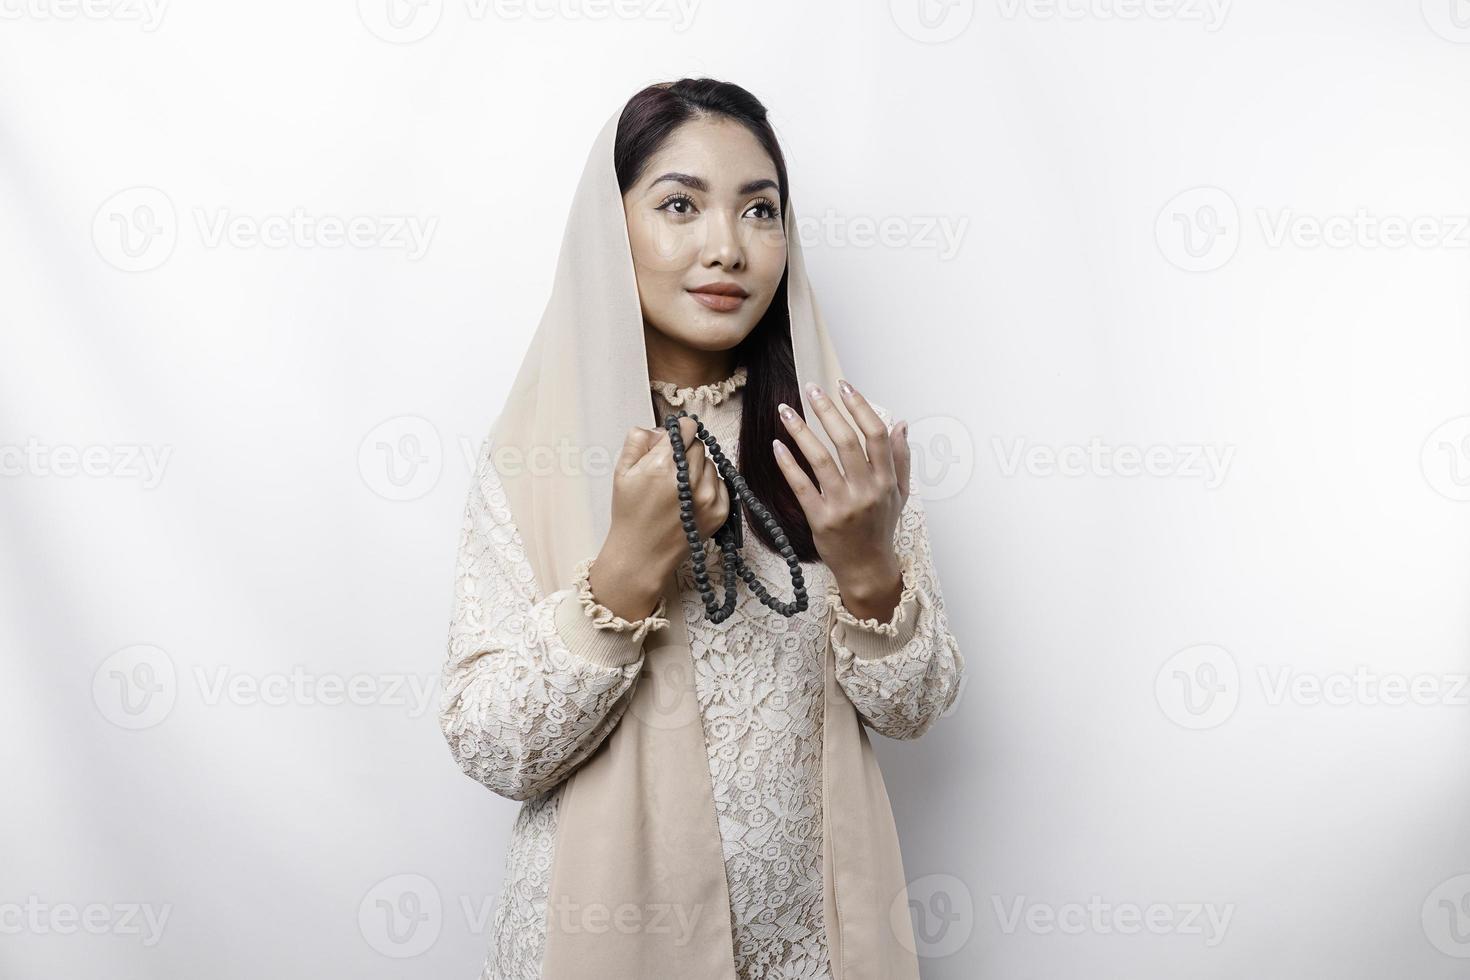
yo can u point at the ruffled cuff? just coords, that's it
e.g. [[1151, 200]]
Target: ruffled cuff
[[869, 639], [595, 632]]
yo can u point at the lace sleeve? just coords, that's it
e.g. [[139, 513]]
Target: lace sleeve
[[532, 683], [901, 675]]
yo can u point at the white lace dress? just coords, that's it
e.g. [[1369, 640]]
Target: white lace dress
[[534, 683]]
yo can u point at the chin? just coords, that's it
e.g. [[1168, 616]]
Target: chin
[[705, 330], [714, 336]]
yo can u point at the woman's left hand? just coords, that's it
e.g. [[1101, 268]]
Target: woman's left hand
[[855, 511]]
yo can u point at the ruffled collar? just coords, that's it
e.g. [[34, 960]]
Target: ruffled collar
[[710, 394]]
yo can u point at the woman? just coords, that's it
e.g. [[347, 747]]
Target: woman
[[700, 800]]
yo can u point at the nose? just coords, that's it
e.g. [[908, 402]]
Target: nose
[[722, 245]]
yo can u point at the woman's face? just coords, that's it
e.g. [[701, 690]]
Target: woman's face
[[705, 211]]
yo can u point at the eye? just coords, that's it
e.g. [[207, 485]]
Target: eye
[[768, 207], [672, 199]]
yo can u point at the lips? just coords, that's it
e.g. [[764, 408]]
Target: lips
[[722, 297]]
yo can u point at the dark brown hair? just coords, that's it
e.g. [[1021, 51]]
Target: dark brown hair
[[648, 119]]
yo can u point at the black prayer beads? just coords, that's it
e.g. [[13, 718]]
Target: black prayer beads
[[730, 536]]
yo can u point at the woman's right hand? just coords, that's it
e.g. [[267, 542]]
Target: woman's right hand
[[645, 540]]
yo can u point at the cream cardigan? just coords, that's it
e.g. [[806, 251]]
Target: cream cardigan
[[520, 718]]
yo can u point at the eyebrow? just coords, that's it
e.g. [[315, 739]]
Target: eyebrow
[[699, 183]]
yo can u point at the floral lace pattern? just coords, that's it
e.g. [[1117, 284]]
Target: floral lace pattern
[[521, 709], [758, 677], [518, 708], [902, 676]]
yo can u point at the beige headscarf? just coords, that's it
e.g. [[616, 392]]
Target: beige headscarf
[[638, 887]]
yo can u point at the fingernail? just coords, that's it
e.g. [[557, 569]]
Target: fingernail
[[815, 391], [779, 447], [786, 412], [846, 388]]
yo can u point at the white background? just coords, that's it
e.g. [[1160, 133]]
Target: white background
[[1133, 192]]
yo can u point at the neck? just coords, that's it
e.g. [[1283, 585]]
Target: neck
[[685, 366]]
